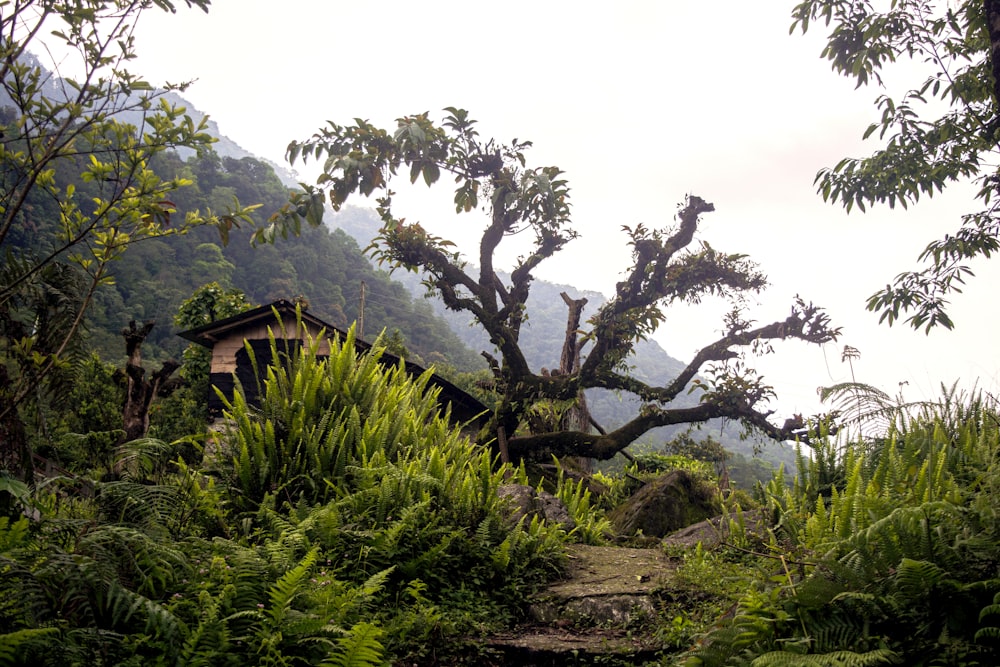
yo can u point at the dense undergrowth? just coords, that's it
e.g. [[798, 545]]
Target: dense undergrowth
[[883, 552], [343, 522]]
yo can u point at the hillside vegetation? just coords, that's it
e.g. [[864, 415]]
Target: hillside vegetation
[[326, 267], [313, 536]]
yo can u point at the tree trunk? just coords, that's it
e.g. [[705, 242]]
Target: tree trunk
[[15, 453], [139, 392], [576, 418]]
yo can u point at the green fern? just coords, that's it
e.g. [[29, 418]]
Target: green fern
[[833, 659], [868, 408], [989, 633], [209, 640], [903, 537], [284, 591], [13, 534], [321, 418], [11, 643], [591, 526], [360, 648]]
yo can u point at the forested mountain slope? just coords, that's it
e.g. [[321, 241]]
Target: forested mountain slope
[[156, 275], [324, 266]]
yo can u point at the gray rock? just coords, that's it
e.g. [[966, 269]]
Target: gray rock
[[520, 498], [554, 510], [666, 504], [525, 501], [613, 610]]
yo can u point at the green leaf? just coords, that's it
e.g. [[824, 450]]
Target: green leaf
[[431, 173]]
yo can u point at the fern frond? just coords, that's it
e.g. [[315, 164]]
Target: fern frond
[[209, 640], [834, 659], [284, 591], [159, 621], [360, 648], [12, 642]]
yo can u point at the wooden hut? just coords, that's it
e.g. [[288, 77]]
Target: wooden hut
[[228, 339]]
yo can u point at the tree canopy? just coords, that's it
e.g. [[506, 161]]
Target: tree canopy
[[669, 267], [944, 129]]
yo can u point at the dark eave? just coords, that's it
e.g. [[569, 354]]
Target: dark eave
[[209, 334]]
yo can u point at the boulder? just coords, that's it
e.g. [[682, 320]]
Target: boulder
[[554, 510], [525, 501], [666, 504]]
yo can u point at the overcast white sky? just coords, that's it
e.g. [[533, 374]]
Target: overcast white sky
[[640, 103]]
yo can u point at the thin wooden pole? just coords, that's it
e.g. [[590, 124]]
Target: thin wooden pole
[[361, 313]]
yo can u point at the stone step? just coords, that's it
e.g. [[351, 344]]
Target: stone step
[[603, 608], [556, 647]]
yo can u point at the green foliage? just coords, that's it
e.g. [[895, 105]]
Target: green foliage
[[96, 398], [181, 417], [360, 648], [345, 508], [591, 526], [324, 421], [209, 303], [706, 449], [121, 588], [989, 615], [77, 190], [871, 658], [942, 130], [355, 459], [707, 585], [656, 464], [888, 554]]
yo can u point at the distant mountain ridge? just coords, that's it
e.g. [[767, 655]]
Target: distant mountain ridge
[[53, 87]]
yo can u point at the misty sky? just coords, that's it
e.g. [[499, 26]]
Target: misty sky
[[640, 103]]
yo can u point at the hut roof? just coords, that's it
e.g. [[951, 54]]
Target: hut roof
[[465, 407]]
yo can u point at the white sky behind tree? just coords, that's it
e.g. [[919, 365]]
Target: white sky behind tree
[[639, 103]]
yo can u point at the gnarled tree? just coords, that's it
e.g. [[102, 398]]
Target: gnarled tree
[[139, 391], [535, 201]]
